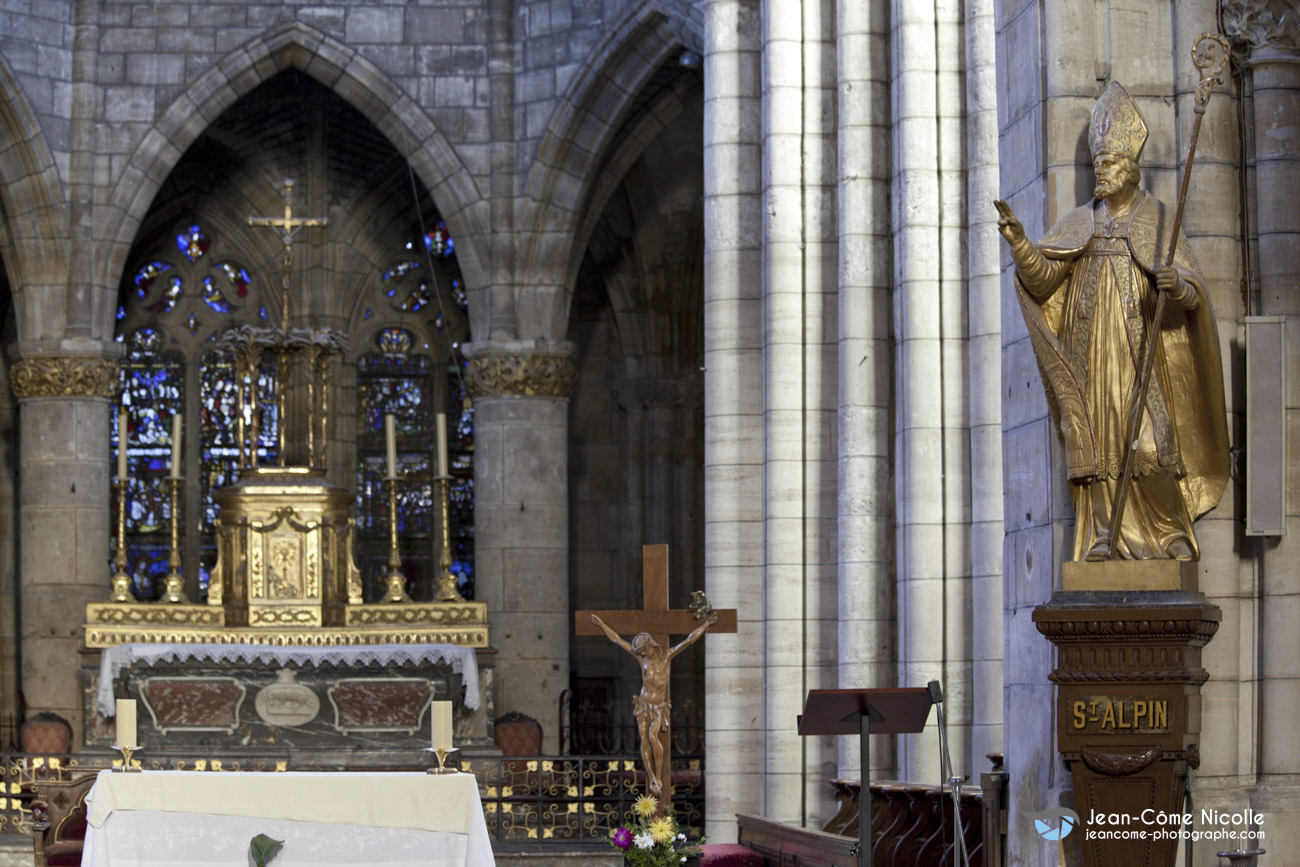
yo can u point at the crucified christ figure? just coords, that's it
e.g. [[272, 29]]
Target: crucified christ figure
[[652, 707]]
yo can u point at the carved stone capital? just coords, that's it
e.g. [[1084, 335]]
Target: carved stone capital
[[68, 376], [521, 375], [1262, 25]]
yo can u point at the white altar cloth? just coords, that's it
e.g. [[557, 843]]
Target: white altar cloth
[[204, 819], [461, 659]]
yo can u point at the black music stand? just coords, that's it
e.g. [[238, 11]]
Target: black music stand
[[865, 712]]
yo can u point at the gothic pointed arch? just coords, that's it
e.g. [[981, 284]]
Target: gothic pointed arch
[[34, 244], [561, 185], [340, 68]]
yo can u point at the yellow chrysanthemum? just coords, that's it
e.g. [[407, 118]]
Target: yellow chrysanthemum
[[645, 806], [662, 829]]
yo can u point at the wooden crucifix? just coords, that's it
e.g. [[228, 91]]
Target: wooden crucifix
[[288, 226], [652, 626]]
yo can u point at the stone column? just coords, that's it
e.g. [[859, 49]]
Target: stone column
[[1269, 35], [733, 406], [984, 351], [521, 519], [800, 334], [866, 519], [919, 308], [10, 682], [63, 513]]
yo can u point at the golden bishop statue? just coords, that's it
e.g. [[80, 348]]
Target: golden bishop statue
[[1088, 291]]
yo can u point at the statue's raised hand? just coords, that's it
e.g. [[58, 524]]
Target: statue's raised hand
[[1008, 224]]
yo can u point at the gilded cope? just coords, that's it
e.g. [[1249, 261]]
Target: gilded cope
[[1088, 293]]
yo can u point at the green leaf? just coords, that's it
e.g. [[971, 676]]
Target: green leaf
[[263, 849]]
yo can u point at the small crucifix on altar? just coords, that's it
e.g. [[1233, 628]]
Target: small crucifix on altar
[[288, 226], [652, 625]]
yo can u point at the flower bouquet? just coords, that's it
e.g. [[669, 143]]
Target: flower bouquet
[[652, 841]]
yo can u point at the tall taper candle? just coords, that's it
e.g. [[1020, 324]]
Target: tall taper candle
[[442, 725], [121, 445], [126, 725], [176, 446], [442, 444], [390, 440]]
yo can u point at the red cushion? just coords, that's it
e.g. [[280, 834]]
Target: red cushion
[[729, 855]]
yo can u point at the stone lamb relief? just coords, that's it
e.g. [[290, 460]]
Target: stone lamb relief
[[1090, 290]]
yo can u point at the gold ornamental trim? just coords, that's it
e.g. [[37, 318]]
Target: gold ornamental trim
[[521, 375], [112, 636], [432, 613], [138, 614], [75, 376]]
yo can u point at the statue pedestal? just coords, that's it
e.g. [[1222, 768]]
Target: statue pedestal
[[1128, 706]]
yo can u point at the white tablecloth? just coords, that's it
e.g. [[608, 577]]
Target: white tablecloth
[[183, 818], [461, 659]]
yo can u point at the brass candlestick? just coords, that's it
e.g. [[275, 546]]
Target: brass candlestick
[[447, 589], [121, 581], [396, 580], [441, 755], [126, 759], [174, 589]]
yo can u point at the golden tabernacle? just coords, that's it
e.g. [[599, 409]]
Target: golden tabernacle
[[285, 573]]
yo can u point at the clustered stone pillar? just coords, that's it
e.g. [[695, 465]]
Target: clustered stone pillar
[[733, 405], [1270, 39], [521, 518], [63, 495]]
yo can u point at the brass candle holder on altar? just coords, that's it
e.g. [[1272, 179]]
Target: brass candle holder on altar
[[447, 591], [121, 581], [174, 584], [396, 578]]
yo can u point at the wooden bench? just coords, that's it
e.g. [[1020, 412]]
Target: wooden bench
[[59, 820], [911, 826]]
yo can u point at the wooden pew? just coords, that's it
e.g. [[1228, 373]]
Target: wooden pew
[[912, 826]]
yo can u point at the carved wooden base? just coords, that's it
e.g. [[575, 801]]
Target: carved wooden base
[[1128, 674]]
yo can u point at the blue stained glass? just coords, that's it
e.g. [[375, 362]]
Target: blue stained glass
[[237, 276], [399, 270], [219, 430], [459, 295], [369, 313], [212, 296], [192, 242], [146, 275], [261, 313], [170, 296], [152, 389], [438, 241], [121, 313]]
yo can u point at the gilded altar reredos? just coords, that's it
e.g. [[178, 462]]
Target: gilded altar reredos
[[285, 576]]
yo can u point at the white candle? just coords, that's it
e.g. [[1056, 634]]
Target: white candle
[[442, 444], [442, 725], [126, 727], [176, 446], [121, 445], [390, 440]]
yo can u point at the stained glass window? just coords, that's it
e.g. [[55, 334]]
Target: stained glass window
[[397, 377], [174, 305], [152, 390], [218, 443], [192, 242]]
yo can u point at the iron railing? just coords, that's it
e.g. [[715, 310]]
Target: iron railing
[[576, 800], [570, 800]]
